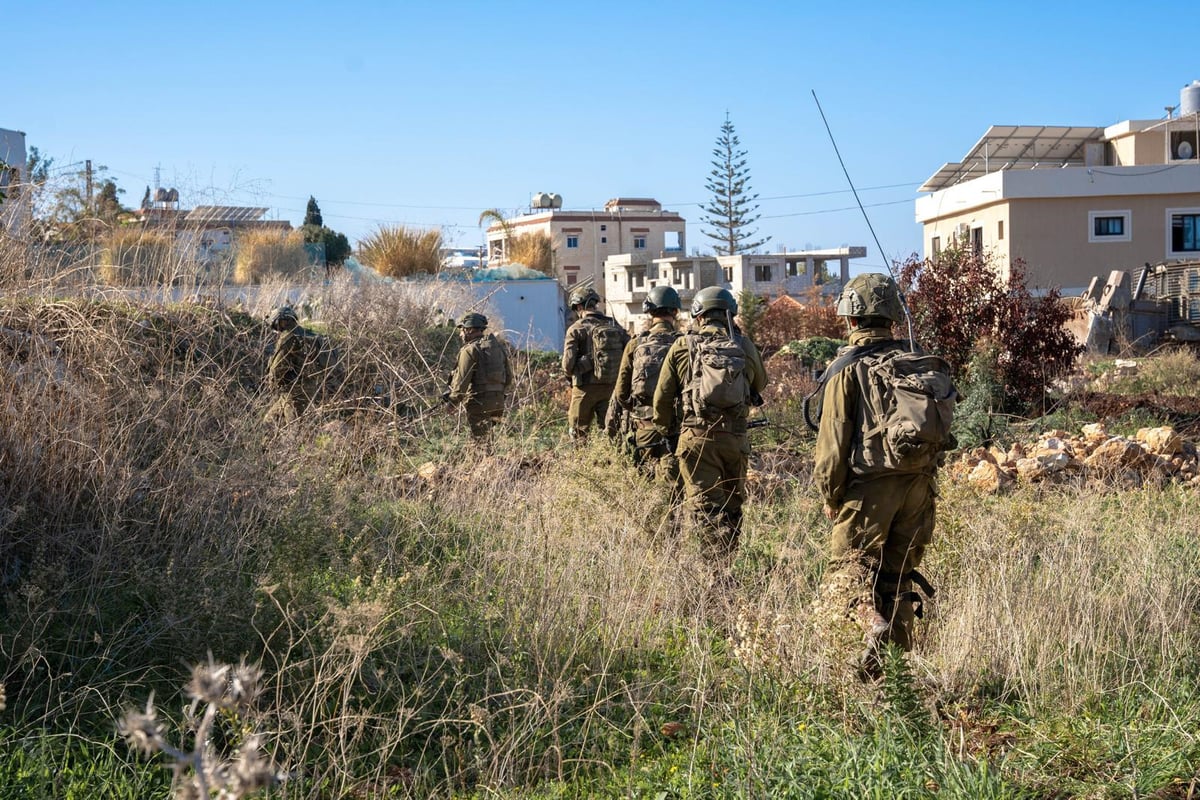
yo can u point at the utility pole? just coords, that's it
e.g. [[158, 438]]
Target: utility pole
[[88, 173]]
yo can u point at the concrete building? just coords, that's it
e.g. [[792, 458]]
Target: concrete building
[[15, 209], [1073, 202], [581, 241], [627, 279]]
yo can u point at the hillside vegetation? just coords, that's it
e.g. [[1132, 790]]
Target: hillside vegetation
[[432, 619]]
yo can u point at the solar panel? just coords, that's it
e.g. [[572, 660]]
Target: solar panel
[[1017, 147], [225, 214]]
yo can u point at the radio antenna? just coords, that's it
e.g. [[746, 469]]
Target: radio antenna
[[870, 227]]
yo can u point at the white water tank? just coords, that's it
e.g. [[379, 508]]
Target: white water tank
[[1189, 99], [555, 200]]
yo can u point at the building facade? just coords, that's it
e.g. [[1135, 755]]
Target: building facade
[[15, 208], [627, 279], [581, 241], [1073, 202]]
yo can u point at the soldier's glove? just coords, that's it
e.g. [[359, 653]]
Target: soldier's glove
[[612, 426]]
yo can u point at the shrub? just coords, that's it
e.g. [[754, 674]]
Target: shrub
[[399, 251], [267, 252], [961, 298], [787, 320]]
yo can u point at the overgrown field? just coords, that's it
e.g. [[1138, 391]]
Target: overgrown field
[[432, 619]]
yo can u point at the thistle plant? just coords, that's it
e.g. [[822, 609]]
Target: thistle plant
[[203, 772]]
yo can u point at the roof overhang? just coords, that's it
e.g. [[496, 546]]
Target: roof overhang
[[1017, 147]]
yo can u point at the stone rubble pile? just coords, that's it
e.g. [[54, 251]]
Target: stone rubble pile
[[1152, 456]]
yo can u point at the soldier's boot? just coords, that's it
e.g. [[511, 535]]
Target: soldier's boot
[[875, 639], [894, 601]]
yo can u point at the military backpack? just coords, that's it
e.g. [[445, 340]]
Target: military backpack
[[648, 356], [607, 341], [908, 405], [491, 367], [718, 388]]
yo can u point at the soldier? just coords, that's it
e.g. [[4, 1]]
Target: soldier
[[718, 374], [637, 379], [296, 370], [591, 358], [483, 376], [879, 498]]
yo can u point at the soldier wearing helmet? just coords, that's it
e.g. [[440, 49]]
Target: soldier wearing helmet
[[591, 359], [296, 369], [482, 377], [633, 396], [882, 519], [709, 379]]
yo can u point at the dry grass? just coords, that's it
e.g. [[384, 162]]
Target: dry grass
[[399, 251], [433, 618], [139, 257], [261, 254], [534, 250]]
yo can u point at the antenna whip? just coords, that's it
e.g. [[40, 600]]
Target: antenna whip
[[870, 227]]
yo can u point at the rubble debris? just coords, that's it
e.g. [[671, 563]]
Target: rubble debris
[[1152, 456]]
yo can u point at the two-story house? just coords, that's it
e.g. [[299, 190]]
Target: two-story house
[[1073, 202], [581, 240]]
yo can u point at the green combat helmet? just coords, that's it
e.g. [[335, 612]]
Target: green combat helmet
[[583, 297], [661, 297], [282, 317], [713, 298], [472, 320], [872, 294]]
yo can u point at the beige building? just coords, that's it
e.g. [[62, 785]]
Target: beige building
[[627, 279], [1073, 202], [582, 240]]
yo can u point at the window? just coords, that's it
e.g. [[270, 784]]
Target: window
[[1185, 231], [639, 243], [977, 241], [935, 246], [1000, 230], [762, 272], [572, 241], [603, 240], [639, 280], [571, 278], [603, 227], [792, 268], [1109, 226], [728, 274]]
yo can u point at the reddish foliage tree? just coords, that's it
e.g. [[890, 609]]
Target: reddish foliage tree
[[787, 320], [960, 299]]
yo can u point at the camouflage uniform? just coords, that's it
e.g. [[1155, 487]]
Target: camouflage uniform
[[295, 373], [712, 457], [882, 518], [652, 452], [480, 382], [589, 399]]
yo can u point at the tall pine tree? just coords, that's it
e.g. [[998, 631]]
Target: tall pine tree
[[731, 210], [312, 214]]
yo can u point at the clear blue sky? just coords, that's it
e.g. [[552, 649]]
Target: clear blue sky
[[426, 113]]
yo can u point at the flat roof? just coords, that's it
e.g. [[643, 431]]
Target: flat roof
[[1017, 147]]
